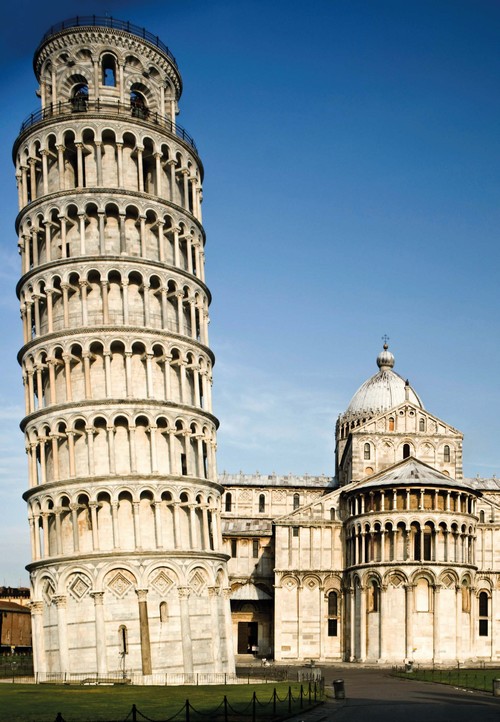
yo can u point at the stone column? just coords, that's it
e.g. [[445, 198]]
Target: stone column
[[173, 183], [157, 157], [458, 622], [114, 522], [45, 527], [45, 175], [142, 235], [137, 525], [383, 623], [59, 543], [74, 524], [60, 165], [228, 625], [100, 633], [32, 167], [363, 623], [98, 160], [60, 602], [95, 531], [79, 165], [213, 598], [436, 637], [86, 372], [39, 662], [102, 242], [50, 322], [144, 631], [187, 646], [119, 160], [409, 621], [158, 525], [83, 295], [152, 446], [55, 456]]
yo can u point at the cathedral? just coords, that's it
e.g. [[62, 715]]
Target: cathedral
[[393, 559], [145, 560]]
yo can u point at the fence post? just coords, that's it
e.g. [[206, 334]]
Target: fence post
[[301, 696], [309, 691], [59, 717], [289, 699], [225, 708], [315, 690], [187, 710], [274, 702], [134, 713], [254, 706]]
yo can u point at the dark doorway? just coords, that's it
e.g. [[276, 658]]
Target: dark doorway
[[248, 638]]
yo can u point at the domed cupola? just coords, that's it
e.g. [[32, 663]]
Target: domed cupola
[[381, 392]]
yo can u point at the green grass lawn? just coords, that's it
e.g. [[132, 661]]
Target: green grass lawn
[[41, 703], [481, 679]]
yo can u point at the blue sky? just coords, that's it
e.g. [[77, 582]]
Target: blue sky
[[352, 188]]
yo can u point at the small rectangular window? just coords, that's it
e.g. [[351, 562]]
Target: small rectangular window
[[332, 627], [184, 470], [234, 547], [255, 548], [483, 627], [295, 531]]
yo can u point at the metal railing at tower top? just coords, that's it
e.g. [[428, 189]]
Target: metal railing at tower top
[[81, 107], [105, 22]]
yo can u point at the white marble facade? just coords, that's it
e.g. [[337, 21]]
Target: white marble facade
[[128, 571], [393, 559], [144, 560]]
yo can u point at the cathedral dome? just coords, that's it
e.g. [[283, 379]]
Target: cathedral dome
[[382, 391]]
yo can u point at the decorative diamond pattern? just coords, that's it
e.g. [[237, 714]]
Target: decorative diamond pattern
[[197, 582], [119, 585], [79, 587], [48, 591], [162, 583]]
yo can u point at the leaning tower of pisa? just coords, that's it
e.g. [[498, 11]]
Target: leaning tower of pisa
[[127, 571]]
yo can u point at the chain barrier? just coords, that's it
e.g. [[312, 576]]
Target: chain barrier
[[251, 710]]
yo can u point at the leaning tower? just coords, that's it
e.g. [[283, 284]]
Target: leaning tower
[[127, 570]]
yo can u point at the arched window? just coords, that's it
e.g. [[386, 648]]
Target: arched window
[[296, 501], [446, 453], [80, 98], [163, 612], [138, 105], [262, 503], [481, 517], [406, 451], [367, 452], [483, 614], [123, 639], [228, 501], [421, 424], [332, 514], [391, 424], [333, 614], [109, 71]]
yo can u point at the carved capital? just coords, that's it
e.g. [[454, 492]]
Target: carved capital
[[142, 595]]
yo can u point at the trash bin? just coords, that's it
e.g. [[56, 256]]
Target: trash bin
[[496, 688], [338, 688]]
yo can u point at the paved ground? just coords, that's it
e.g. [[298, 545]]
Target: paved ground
[[375, 696]]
